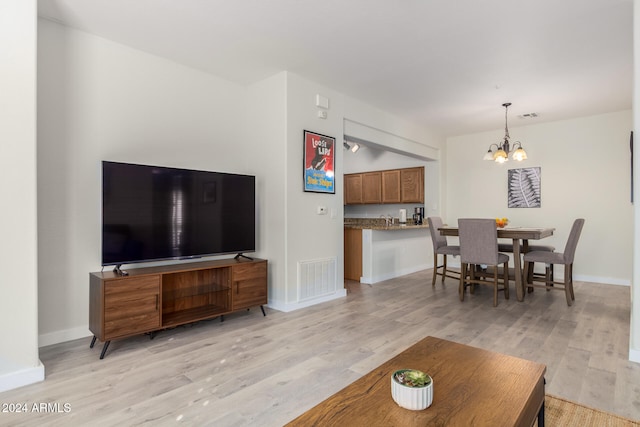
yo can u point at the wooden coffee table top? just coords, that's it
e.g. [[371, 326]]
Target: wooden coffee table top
[[471, 386]]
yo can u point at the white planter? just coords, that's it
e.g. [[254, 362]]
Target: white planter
[[414, 398]]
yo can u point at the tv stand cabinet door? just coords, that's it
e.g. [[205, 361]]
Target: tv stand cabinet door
[[249, 285], [131, 306]]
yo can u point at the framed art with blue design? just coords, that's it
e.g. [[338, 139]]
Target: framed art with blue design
[[319, 163]]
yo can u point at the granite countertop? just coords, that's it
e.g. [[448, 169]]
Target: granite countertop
[[379, 224]]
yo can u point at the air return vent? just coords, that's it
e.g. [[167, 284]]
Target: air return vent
[[316, 278]]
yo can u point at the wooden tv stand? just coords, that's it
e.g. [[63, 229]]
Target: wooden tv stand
[[153, 298]]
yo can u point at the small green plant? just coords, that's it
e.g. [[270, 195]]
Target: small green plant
[[412, 378]]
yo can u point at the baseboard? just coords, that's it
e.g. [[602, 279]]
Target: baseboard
[[63, 336], [604, 280], [21, 377], [576, 277], [287, 307], [393, 274]]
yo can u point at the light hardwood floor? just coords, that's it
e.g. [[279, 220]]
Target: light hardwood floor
[[255, 370]]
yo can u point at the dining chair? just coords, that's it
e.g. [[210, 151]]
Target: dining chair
[[508, 247], [441, 247], [479, 246], [552, 258]]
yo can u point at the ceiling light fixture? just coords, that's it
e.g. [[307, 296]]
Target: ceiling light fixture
[[355, 147], [502, 150], [346, 146]]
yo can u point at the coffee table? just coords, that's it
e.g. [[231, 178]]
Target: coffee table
[[471, 387]]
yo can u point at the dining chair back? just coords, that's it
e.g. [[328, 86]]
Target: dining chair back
[[572, 241], [550, 259], [441, 247], [479, 246]]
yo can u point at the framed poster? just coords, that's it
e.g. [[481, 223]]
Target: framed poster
[[319, 163], [524, 188]]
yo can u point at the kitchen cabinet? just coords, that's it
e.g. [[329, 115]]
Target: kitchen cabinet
[[412, 185], [385, 187], [353, 189], [391, 186], [372, 187], [352, 254]]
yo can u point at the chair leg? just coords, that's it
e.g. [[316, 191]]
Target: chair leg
[[463, 275], [435, 269], [528, 275], [506, 280], [495, 286], [444, 267], [472, 276], [570, 267], [547, 278], [567, 284]]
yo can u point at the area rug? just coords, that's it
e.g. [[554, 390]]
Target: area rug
[[565, 413]]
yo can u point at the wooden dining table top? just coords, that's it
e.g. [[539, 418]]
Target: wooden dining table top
[[524, 233]]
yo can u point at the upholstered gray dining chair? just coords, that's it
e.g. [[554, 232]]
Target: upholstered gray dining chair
[[553, 258], [441, 247], [479, 246]]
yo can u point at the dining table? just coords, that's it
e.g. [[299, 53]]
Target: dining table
[[517, 234]]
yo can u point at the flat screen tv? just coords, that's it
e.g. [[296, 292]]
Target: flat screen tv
[[152, 213]]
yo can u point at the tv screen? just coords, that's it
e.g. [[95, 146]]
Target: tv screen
[[154, 213]]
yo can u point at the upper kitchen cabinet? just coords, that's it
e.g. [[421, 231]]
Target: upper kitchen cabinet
[[353, 189], [412, 185], [372, 187], [391, 192], [384, 187]]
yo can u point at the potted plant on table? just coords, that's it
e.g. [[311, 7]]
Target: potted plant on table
[[412, 389]]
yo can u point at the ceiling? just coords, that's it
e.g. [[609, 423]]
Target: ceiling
[[448, 65]]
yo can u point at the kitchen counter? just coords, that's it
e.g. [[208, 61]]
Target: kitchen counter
[[379, 224], [385, 227], [375, 252]]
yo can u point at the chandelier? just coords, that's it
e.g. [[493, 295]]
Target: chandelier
[[501, 151]]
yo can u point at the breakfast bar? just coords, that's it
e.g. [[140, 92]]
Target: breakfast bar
[[375, 251]]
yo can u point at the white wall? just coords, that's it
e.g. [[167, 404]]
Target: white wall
[[100, 100], [267, 111], [19, 363], [634, 350], [309, 236], [585, 173]]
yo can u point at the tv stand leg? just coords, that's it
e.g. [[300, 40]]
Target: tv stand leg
[[222, 318], [242, 256], [263, 313], [104, 349], [93, 341]]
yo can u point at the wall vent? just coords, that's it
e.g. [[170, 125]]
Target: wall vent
[[316, 278]]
